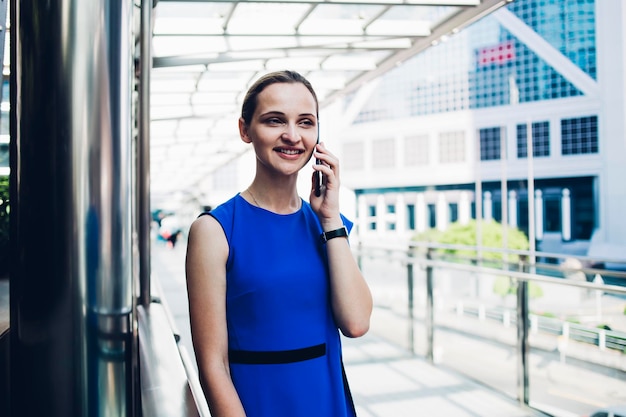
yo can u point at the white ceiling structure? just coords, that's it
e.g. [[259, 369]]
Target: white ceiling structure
[[207, 53]]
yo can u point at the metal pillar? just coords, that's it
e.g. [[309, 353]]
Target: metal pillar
[[3, 32], [522, 336], [430, 309], [71, 221], [144, 219], [411, 331]]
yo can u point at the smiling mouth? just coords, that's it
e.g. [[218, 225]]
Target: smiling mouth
[[290, 151]]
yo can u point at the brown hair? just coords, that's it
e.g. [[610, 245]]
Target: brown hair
[[286, 76]]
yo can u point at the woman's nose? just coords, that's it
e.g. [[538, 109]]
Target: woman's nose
[[291, 133]]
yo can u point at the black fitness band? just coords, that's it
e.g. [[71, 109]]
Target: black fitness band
[[267, 357], [341, 232]]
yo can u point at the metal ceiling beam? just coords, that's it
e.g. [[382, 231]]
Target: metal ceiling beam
[[177, 61], [460, 3], [384, 55]]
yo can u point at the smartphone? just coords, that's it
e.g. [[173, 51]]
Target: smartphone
[[318, 174]]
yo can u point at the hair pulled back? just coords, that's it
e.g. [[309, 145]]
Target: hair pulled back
[[251, 99]]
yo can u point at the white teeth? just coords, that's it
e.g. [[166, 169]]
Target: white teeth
[[289, 152]]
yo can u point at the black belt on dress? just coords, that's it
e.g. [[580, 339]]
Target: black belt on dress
[[267, 357]]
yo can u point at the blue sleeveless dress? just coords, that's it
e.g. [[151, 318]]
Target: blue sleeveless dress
[[284, 344]]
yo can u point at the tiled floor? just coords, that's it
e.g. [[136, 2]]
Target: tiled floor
[[387, 382]]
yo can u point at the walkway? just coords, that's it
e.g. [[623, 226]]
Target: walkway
[[385, 380]]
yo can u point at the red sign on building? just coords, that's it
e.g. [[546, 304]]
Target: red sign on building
[[497, 54]]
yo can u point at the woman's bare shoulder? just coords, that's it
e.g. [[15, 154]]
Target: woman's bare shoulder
[[207, 233], [204, 223]]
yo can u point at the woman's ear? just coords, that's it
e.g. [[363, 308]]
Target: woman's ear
[[243, 131]]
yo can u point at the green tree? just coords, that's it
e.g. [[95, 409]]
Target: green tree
[[4, 225], [492, 237], [465, 235]]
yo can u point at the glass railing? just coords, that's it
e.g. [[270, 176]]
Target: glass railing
[[548, 330]]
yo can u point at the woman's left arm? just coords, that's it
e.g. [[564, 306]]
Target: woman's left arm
[[350, 295], [351, 298]]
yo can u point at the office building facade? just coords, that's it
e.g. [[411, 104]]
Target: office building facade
[[519, 117]]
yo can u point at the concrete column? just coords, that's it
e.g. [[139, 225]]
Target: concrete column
[[610, 238], [512, 208], [538, 215], [465, 211], [566, 215], [487, 206], [401, 213], [381, 214], [420, 213], [442, 212], [363, 215]]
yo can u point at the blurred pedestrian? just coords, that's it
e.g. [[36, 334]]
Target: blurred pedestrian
[[170, 229]]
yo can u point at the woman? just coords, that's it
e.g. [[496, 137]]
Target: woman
[[271, 278]]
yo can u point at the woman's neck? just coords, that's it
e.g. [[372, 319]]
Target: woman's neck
[[281, 200]]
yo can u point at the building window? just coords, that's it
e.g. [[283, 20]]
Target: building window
[[384, 153], [353, 156], [579, 135], [453, 210], [410, 213], [552, 214], [432, 215], [574, 20], [416, 150], [540, 136], [522, 215], [391, 209], [496, 208], [451, 147], [489, 144], [371, 213], [502, 69]]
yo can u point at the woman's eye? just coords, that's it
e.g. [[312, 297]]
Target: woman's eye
[[274, 121]]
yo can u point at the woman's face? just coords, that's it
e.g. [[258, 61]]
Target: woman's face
[[283, 129]]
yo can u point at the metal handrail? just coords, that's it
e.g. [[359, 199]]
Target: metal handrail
[[415, 245], [406, 256]]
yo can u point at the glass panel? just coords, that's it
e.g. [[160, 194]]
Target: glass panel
[[579, 135], [470, 309], [4, 155], [490, 143]]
